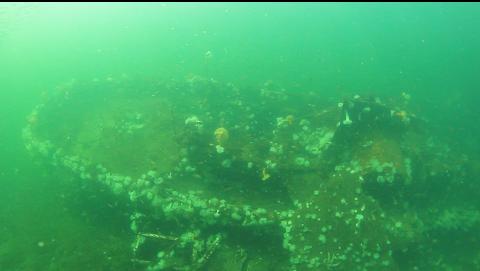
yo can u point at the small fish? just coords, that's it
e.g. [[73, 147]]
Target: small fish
[[208, 55]]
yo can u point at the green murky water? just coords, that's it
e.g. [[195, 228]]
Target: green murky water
[[314, 136]]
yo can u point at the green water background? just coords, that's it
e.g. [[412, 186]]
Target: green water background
[[429, 50]]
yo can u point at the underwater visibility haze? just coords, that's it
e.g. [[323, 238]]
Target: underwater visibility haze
[[239, 136]]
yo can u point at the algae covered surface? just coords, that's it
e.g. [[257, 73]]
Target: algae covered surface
[[239, 136]]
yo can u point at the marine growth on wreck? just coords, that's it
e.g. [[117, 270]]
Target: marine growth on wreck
[[217, 177]]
